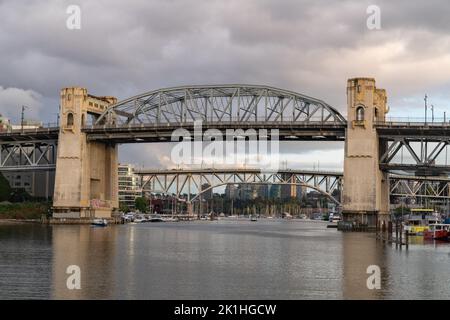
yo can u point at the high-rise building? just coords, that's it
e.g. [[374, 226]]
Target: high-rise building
[[275, 191], [263, 191], [129, 185], [231, 191], [248, 191], [5, 124], [208, 193]]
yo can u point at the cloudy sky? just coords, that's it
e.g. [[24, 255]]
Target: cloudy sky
[[128, 47]]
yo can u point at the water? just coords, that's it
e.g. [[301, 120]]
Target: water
[[215, 260]]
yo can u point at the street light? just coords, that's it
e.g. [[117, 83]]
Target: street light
[[22, 119], [425, 99], [432, 113]]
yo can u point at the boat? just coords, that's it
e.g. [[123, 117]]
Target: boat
[[420, 221], [437, 231], [156, 218], [139, 219], [99, 222], [335, 218]]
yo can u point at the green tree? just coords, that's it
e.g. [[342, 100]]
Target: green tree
[[141, 204], [5, 189], [124, 208]]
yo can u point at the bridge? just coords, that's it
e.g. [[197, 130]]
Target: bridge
[[188, 184], [92, 127]]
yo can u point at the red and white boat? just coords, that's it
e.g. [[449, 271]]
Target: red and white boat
[[437, 231]]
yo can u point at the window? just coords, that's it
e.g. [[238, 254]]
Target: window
[[70, 119], [82, 120], [360, 113], [375, 114]]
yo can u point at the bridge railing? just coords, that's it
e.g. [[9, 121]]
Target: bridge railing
[[414, 121], [285, 121], [43, 127]]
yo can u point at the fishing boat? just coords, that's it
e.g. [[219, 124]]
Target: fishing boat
[[437, 231], [99, 222]]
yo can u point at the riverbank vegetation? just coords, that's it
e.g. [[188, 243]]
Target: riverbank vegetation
[[18, 204]]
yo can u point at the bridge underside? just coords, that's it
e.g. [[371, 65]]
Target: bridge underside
[[163, 133]]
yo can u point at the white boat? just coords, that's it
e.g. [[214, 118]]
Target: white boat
[[139, 219], [169, 219], [99, 222]]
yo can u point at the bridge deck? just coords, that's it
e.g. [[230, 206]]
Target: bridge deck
[[414, 130], [163, 132], [30, 134]]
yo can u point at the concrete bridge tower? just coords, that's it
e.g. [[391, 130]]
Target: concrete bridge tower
[[366, 187], [86, 179]]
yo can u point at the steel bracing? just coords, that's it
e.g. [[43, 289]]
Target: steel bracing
[[420, 187], [28, 155], [190, 184], [153, 116], [186, 184], [415, 147], [424, 156], [220, 103]]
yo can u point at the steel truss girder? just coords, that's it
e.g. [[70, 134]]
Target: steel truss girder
[[219, 103], [24, 155], [187, 182], [420, 187], [421, 153]]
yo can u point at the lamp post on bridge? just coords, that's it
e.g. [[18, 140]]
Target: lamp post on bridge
[[22, 118], [425, 99], [432, 113]]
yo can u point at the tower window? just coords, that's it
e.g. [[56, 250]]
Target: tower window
[[70, 119], [360, 113], [375, 114]]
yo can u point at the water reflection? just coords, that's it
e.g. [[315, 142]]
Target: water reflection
[[93, 250], [216, 260], [25, 261]]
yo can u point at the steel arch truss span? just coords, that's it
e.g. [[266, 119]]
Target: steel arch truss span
[[187, 183], [420, 187], [425, 156], [220, 103], [28, 155]]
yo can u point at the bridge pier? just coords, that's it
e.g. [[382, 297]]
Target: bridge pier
[[366, 187], [86, 179]]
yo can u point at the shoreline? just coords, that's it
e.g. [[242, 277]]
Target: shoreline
[[18, 221]]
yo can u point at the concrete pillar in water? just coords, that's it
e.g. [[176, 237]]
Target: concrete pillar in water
[[86, 181], [366, 187]]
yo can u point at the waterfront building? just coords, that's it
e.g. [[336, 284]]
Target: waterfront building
[[5, 123], [39, 184], [129, 186]]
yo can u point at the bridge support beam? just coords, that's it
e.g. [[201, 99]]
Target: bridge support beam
[[366, 187], [86, 181]]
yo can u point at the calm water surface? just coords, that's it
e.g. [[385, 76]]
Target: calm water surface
[[215, 260]]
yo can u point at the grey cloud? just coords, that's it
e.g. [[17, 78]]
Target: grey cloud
[[312, 47]]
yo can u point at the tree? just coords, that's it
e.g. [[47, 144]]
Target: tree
[[5, 189], [124, 208], [141, 204]]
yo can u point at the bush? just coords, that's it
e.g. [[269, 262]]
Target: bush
[[5, 189]]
